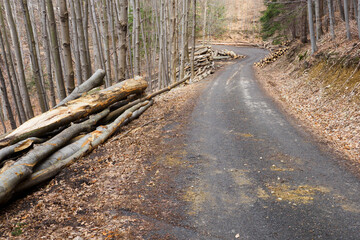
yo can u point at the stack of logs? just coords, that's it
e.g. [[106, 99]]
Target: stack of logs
[[39, 148], [272, 57], [44, 145], [204, 58]]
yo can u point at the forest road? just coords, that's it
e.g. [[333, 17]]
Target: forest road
[[255, 175]]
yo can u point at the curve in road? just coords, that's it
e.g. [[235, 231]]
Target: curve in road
[[254, 175]]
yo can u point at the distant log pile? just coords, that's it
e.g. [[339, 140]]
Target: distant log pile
[[204, 60], [272, 57], [276, 53]]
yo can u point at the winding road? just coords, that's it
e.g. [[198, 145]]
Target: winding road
[[255, 175]]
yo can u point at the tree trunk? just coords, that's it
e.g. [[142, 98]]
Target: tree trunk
[[65, 36], [19, 60], [304, 21], [205, 15], [55, 49], [75, 35], [311, 28], [318, 16], [341, 9], [331, 19], [346, 12], [97, 39], [76, 109], [111, 13], [46, 45], [6, 101], [193, 41], [123, 14], [106, 41], [34, 59], [10, 69], [81, 36]]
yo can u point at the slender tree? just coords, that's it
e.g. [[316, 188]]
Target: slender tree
[[19, 60], [347, 21], [341, 9], [65, 39], [55, 50], [9, 64], [82, 45], [6, 101], [331, 19], [123, 25], [34, 58], [311, 28], [318, 20], [193, 40]]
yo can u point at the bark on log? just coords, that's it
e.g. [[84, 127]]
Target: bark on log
[[23, 167], [18, 147], [74, 110], [117, 112], [94, 81], [70, 154]]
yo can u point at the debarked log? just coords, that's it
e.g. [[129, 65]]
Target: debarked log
[[69, 154], [18, 147], [74, 110], [94, 81], [23, 167]]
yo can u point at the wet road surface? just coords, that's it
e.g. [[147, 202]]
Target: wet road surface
[[253, 175]]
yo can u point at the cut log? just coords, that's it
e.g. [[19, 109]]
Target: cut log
[[117, 112], [94, 81], [23, 167], [74, 110], [86, 144], [18, 147]]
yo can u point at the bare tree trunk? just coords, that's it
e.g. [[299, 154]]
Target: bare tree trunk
[[75, 35], [204, 27], [80, 30], [304, 21], [311, 28], [106, 42], [34, 59], [47, 50], [110, 12], [6, 101], [136, 37], [193, 41], [123, 13], [318, 20], [10, 69], [174, 40], [331, 19], [183, 40], [65, 36], [346, 12], [19, 60], [97, 39], [86, 34], [55, 49], [341, 9]]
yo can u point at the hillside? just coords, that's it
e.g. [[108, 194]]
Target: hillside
[[322, 90]]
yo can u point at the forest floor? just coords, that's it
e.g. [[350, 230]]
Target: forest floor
[[98, 196]]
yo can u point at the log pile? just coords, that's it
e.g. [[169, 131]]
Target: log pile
[[204, 58], [44, 145], [41, 147], [272, 57]]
